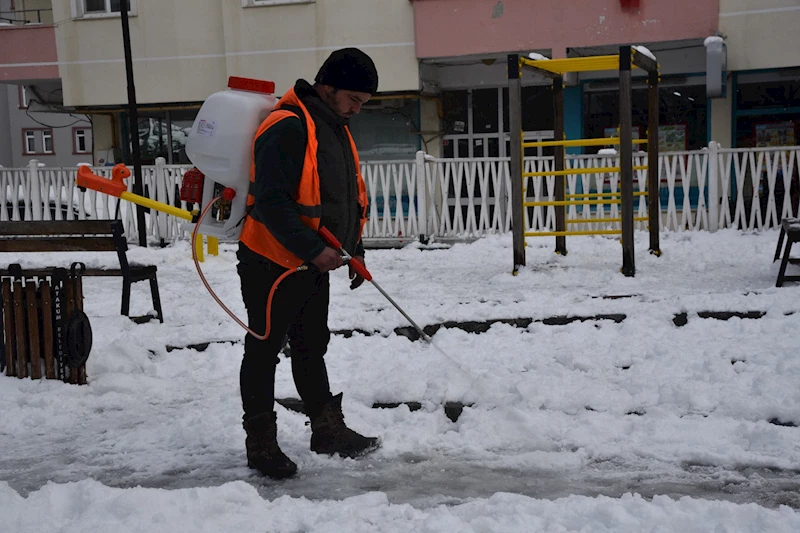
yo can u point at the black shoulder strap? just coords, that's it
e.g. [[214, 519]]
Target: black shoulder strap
[[302, 116], [299, 112]]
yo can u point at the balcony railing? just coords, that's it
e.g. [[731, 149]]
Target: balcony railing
[[24, 17]]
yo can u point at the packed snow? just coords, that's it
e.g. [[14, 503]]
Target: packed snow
[[645, 51], [639, 416]]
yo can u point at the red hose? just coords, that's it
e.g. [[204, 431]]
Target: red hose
[[213, 294]]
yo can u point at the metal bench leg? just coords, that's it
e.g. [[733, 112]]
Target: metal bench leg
[[126, 296], [780, 244], [156, 298], [784, 261]]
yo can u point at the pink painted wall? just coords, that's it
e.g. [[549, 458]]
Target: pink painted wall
[[463, 27], [25, 45]]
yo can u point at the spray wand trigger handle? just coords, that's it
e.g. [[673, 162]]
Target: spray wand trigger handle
[[330, 238], [360, 269], [357, 265]]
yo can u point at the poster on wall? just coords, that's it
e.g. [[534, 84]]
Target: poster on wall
[[772, 134], [673, 138], [614, 132]]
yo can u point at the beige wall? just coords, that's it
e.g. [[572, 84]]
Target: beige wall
[[177, 49], [720, 112], [760, 33], [430, 123], [184, 50], [285, 42]]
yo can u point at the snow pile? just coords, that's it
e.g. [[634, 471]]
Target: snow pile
[[237, 506], [537, 57], [644, 51], [627, 419]]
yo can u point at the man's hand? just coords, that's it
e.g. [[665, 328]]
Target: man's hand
[[329, 259], [354, 277]]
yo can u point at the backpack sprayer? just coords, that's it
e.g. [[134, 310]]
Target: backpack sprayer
[[220, 146]]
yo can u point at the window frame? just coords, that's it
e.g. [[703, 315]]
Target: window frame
[[38, 147], [23, 97], [482, 140], [79, 10], [75, 147], [48, 134], [25, 141]]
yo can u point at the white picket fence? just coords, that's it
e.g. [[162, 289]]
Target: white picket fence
[[748, 188]]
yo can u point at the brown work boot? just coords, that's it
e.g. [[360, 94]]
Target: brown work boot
[[330, 436], [263, 452]]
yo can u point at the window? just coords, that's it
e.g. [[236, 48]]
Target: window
[[252, 3], [80, 144], [682, 108], [101, 8], [47, 141], [385, 130], [37, 141], [476, 121], [30, 141], [23, 97]]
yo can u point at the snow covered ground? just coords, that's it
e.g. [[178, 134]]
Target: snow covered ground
[[633, 425]]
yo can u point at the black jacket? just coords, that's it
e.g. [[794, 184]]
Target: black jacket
[[279, 153]]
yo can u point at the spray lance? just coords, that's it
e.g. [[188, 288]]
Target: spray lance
[[362, 271], [220, 146], [115, 186]]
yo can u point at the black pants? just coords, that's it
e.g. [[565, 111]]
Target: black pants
[[299, 312]]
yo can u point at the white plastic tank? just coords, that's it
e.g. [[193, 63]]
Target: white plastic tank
[[220, 145]]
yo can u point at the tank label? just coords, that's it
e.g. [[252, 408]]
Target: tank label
[[206, 127]]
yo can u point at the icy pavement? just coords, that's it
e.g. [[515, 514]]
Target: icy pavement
[[645, 404]]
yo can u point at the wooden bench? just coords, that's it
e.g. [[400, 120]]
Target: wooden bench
[[82, 236], [790, 229]]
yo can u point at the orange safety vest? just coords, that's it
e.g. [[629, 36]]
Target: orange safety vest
[[255, 234]]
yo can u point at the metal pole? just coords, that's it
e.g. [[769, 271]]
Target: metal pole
[[626, 159], [169, 137], [422, 197], [515, 167], [713, 186], [653, 177], [558, 133], [134, 122]]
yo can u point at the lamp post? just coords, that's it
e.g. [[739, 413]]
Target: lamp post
[[133, 122]]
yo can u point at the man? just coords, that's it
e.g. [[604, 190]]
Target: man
[[305, 175]]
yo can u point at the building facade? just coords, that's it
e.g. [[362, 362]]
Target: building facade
[[442, 66], [52, 139], [759, 106], [28, 130], [185, 50]]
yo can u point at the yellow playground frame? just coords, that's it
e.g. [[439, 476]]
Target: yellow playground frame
[[627, 59]]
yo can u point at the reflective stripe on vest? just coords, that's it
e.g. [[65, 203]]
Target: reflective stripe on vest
[[255, 234]]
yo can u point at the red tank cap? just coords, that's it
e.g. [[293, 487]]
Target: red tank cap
[[249, 84]]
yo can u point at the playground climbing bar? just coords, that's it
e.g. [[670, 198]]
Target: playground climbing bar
[[628, 59]]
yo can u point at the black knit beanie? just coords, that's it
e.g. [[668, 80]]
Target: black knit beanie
[[349, 69]]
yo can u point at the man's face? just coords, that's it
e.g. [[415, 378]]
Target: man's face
[[344, 103]]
